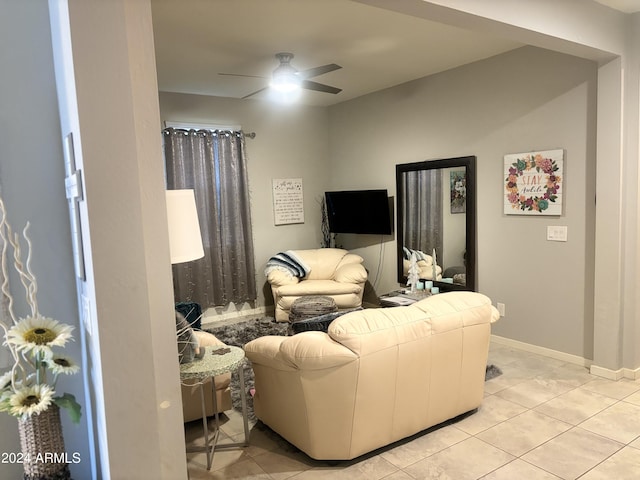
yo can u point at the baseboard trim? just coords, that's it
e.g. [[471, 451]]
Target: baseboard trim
[[213, 316], [615, 375], [628, 373], [632, 373], [547, 352], [607, 373]]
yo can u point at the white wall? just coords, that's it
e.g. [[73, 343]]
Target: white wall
[[519, 101], [291, 142], [32, 181], [106, 76], [632, 147]]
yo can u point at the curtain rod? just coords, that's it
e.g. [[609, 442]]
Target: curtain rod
[[251, 135]]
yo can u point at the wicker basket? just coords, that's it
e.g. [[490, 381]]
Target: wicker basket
[[42, 444]]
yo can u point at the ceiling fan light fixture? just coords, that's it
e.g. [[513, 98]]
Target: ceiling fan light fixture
[[285, 79], [287, 82]]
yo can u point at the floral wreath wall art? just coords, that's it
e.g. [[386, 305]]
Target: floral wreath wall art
[[533, 183]]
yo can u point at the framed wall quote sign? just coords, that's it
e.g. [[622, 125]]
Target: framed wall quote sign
[[533, 183], [288, 201]]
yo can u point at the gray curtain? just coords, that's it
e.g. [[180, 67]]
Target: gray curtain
[[214, 164], [423, 211]]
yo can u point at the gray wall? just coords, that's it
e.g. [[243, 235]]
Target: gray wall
[[527, 99], [32, 185]]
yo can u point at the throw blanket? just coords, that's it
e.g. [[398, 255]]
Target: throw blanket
[[287, 262]]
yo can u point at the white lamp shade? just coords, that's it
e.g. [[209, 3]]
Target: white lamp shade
[[185, 240]]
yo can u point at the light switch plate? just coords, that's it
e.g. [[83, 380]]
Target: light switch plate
[[557, 233]]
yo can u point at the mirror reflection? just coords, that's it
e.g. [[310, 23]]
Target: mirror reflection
[[436, 221]]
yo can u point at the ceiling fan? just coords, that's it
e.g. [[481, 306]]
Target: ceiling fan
[[287, 78]]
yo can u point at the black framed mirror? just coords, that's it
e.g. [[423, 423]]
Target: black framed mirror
[[436, 202]]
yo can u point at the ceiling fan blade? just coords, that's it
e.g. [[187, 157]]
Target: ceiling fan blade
[[314, 72], [319, 87], [241, 75], [254, 93]]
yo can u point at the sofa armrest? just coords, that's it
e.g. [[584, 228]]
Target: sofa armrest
[[206, 339], [315, 351], [266, 351], [351, 273], [278, 278], [304, 351]]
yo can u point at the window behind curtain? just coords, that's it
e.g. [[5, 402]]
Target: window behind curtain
[[214, 165]]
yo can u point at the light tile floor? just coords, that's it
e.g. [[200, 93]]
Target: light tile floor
[[542, 419]]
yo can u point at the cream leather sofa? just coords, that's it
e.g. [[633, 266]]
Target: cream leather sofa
[[378, 376], [191, 400], [335, 273]]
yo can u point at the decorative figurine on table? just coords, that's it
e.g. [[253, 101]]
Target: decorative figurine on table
[[413, 274], [434, 266]]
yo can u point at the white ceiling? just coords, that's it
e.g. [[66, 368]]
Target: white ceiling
[[195, 40], [626, 6]]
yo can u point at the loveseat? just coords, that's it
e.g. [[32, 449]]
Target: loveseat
[[333, 272], [377, 376]]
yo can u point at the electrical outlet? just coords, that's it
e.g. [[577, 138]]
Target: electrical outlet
[[501, 309]]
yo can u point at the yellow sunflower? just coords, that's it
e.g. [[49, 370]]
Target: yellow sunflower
[[62, 364], [38, 334], [29, 400]]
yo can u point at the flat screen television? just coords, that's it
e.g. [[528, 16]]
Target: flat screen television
[[359, 211]]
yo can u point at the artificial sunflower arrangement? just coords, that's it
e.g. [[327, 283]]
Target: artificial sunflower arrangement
[[29, 388]]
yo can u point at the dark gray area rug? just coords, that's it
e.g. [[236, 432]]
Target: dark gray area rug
[[238, 334]]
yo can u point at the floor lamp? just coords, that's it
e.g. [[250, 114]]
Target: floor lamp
[[185, 245], [185, 239]]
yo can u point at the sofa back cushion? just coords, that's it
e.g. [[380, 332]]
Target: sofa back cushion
[[368, 331], [322, 261]]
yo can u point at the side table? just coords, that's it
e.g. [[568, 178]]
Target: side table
[[211, 364], [400, 298]]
